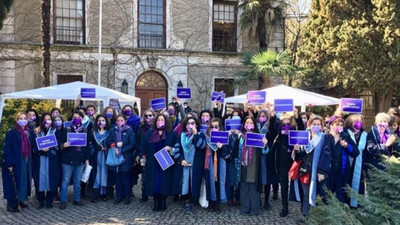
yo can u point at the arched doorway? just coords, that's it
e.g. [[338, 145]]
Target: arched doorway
[[149, 85]]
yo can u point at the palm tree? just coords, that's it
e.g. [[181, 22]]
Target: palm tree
[[5, 6], [262, 64]]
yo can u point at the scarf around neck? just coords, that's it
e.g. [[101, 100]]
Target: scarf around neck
[[156, 137], [25, 144], [187, 144], [247, 153]]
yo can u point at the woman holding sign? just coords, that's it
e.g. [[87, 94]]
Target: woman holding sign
[[97, 186], [121, 139], [190, 152], [74, 154], [17, 164], [215, 167], [46, 163], [158, 181], [249, 168]]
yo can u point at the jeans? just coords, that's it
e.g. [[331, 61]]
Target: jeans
[[75, 172]]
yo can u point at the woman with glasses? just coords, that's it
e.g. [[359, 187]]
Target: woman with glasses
[[144, 127], [215, 167]]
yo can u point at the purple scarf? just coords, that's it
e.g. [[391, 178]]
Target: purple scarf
[[384, 136], [156, 137], [247, 153], [120, 130], [25, 144]]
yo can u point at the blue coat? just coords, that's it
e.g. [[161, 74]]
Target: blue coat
[[128, 139], [12, 157], [374, 151], [152, 168], [54, 170]]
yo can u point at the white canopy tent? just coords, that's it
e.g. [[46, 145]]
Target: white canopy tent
[[69, 91], [300, 97]]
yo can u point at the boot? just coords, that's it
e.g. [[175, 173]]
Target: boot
[[156, 204], [163, 205], [285, 212]]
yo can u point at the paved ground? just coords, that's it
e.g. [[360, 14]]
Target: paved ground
[[140, 213]]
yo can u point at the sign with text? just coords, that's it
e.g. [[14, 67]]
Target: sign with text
[[158, 104], [219, 136], [256, 97], [233, 124], [283, 105], [88, 92], [299, 137], [254, 140], [184, 93], [46, 142], [76, 139], [351, 105], [203, 128], [164, 159], [218, 96], [67, 124]]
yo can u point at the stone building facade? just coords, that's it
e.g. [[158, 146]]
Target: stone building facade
[[150, 46]]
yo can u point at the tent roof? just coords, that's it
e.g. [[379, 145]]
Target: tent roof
[[300, 97], [70, 91]]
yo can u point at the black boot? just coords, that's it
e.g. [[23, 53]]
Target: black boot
[[267, 206], [285, 212], [163, 204], [156, 204]]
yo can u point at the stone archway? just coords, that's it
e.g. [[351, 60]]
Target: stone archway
[[150, 85]]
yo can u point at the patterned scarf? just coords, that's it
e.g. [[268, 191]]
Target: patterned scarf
[[25, 144], [209, 153], [187, 144], [247, 153]]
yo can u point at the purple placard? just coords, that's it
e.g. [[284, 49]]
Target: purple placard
[[219, 136], [283, 105], [76, 139], [184, 93], [299, 137], [222, 97], [351, 105], [254, 140], [215, 96], [46, 142], [164, 159], [256, 97], [88, 92], [203, 128], [67, 124], [233, 124], [158, 104]]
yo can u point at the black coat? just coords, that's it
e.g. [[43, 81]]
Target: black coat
[[73, 156]]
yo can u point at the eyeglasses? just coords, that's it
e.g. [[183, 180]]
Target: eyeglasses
[[191, 123], [148, 116], [214, 127]]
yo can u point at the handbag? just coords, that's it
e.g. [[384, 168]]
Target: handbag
[[306, 164], [305, 179], [294, 170], [113, 159]]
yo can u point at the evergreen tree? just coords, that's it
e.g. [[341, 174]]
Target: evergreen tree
[[5, 6], [355, 44]]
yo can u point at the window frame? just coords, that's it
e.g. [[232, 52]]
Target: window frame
[[164, 25], [235, 4]]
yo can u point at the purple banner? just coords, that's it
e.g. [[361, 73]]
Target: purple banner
[[283, 105], [158, 104], [256, 97], [76, 139], [164, 159], [297, 137], [46, 142], [88, 92], [351, 105], [203, 128], [184, 93], [67, 124], [254, 140], [219, 136], [233, 124]]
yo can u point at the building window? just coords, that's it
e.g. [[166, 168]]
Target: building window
[[225, 85], [63, 79], [69, 25], [224, 26], [151, 24]]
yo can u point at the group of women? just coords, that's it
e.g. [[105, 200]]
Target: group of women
[[337, 155]]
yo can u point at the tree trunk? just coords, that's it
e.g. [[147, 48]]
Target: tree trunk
[[262, 33], [46, 7], [382, 102]]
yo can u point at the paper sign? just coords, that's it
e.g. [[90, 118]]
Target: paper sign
[[254, 140], [203, 128], [76, 139], [86, 173], [215, 96], [351, 105], [164, 159], [256, 97], [184, 93], [222, 97], [299, 137], [158, 104], [46, 142], [233, 124], [283, 105], [88, 92], [67, 124], [219, 136]]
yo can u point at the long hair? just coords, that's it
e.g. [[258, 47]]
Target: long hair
[[143, 119], [213, 120], [254, 122], [185, 121], [167, 123], [42, 127], [96, 127]]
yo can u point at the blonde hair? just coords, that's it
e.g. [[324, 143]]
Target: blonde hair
[[351, 119], [20, 114], [381, 116], [315, 117]]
